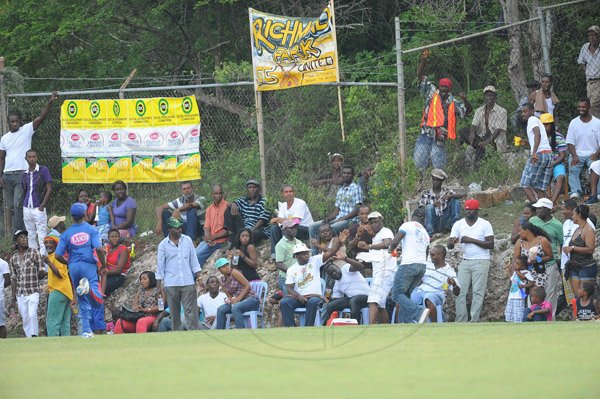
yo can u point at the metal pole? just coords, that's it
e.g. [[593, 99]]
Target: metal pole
[[261, 142], [401, 121], [545, 52]]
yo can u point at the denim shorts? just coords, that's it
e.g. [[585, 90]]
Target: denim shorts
[[585, 273], [559, 170]]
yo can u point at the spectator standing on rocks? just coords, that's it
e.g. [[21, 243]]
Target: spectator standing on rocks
[[583, 143], [61, 293], [581, 266], [37, 186], [589, 59], [13, 147], [4, 282], [442, 206], [477, 238], [559, 153], [544, 100]]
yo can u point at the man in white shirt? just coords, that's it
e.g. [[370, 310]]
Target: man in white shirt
[[538, 170], [589, 59], [209, 302], [13, 146], [477, 238], [290, 208], [4, 282], [439, 277], [415, 246], [350, 289]]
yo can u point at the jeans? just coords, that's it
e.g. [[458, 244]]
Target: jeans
[[191, 227], [574, 172], [407, 278], [536, 317], [356, 303], [13, 198], [276, 235], [204, 251], [77, 271], [313, 230], [427, 148], [439, 224], [237, 311], [36, 223], [184, 296], [471, 271], [289, 304]]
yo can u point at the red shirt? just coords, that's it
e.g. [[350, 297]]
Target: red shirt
[[215, 219]]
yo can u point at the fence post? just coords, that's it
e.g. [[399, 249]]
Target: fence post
[[544, 40], [260, 127], [401, 122]]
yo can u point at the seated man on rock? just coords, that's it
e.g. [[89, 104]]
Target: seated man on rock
[[442, 207], [189, 208]]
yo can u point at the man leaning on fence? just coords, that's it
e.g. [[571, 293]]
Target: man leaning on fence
[[589, 59], [439, 120], [13, 146]]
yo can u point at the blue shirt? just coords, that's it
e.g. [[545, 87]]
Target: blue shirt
[[177, 264], [79, 242], [103, 215], [347, 199]]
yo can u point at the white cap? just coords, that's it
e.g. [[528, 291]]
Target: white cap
[[543, 203], [374, 215], [300, 248]]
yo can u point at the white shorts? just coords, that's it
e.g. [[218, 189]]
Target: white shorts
[[383, 281], [595, 167]]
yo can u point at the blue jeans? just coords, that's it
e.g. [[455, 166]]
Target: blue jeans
[[276, 235], [77, 271], [313, 230], [204, 251], [237, 311], [574, 172], [536, 317], [440, 224], [289, 304], [191, 227], [427, 148], [407, 278], [13, 198]]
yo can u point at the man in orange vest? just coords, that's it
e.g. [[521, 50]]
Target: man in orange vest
[[439, 118]]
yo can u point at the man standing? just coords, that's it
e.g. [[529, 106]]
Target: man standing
[[189, 208], [415, 246], [37, 186], [215, 234], [554, 229], [583, 144], [249, 212], [442, 207], [79, 242], [358, 232], [477, 238], [177, 269], [347, 201], [538, 170], [589, 59], [544, 100], [13, 147], [488, 127], [26, 267], [291, 208], [440, 118]]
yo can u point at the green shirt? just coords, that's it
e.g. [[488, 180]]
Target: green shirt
[[554, 230], [284, 252]]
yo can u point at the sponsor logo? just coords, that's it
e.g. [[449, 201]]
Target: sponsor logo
[[133, 140], [75, 141], [94, 109], [72, 109], [187, 105], [80, 238], [163, 106], [154, 139], [175, 138], [115, 140], [96, 141], [116, 108], [140, 108], [194, 136]]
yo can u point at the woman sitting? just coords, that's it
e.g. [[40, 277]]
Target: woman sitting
[[122, 210], [240, 297], [117, 262], [145, 300], [244, 255]]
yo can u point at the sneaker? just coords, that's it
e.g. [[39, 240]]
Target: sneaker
[[87, 335], [424, 316], [592, 200], [84, 287]]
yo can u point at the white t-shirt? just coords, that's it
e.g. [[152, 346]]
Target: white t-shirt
[[414, 243], [299, 210], [544, 144], [306, 278], [479, 230], [3, 270], [434, 279], [515, 292], [585, 137], [382, 259], [16, 145], [210, 305], [351, 284]]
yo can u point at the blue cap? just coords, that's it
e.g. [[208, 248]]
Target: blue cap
[[78, 210], [221, 262]]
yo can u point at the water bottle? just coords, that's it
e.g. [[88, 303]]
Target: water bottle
[[235, 260], [132, 251], [161, 304]]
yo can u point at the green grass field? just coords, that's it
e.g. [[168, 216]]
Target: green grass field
[[558, 360]]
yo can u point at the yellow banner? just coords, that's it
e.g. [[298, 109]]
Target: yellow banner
[[289, 52], [136, 140]]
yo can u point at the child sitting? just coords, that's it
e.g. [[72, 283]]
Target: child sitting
[[540, 309], [520, 281], [103, 214], [587, 307]]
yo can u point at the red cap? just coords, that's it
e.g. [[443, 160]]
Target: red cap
[[446, 82], [471, 204]]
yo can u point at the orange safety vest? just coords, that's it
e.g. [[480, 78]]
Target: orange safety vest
[[435, 115]]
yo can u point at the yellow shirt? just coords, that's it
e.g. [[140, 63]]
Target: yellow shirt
[[63, 284]]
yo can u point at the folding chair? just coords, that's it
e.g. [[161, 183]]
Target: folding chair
[[261, 289], [301, 312], [364, 312]]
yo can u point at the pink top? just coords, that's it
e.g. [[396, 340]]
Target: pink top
[[544, 305]]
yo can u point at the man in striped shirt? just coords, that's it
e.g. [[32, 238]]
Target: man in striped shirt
[[249, 212]]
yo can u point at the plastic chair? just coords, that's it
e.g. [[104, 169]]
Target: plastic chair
[[301, 312], [261, 289], [364, 311]]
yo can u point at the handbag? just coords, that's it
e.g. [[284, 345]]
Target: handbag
[[129, 315]]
